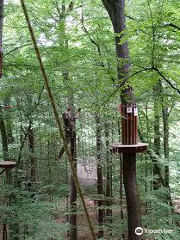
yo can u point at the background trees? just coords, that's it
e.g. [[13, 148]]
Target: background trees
[[41, 180]]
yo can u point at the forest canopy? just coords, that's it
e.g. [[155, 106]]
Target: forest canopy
[[98, 58]]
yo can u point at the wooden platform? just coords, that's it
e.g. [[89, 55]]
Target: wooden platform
[[7, 164], [120, 148]]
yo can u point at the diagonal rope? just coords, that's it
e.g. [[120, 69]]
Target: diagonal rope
[[56, 115]]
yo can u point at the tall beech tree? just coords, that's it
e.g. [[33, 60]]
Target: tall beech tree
[[116, 11], [77, 47], [13, 227]]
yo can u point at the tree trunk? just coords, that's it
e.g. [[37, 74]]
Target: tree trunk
[[116, 11], [63, 42], [32, 152], [165, 116], [73, 193], [157, 140], [120, 176], [129, 173], [3, 136], [69, 125], [2, 123], [13, 227], [4, 231], [8, 120], [99, 176], [108, 174]]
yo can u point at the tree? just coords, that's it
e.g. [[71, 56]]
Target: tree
[[116, 11]]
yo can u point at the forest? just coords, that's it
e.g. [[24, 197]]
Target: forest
[[89, 120]]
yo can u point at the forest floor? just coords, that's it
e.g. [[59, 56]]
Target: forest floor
[[88, 178], [83, 231]]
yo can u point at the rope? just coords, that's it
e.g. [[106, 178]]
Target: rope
[[56, 115]]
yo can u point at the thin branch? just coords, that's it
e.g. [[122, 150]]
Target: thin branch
[[165, 79], [153, 68], [131, 18], [16, 48], [153, 34], [122, 84], [171, 25], [29, 127], [96, 44]]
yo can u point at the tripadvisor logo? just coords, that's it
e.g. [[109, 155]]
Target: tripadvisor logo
[[138, 231]]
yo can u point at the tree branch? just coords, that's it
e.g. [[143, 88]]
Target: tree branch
[[165, 79], [96, 44], [122, 84], [172, 25], [16, 48]]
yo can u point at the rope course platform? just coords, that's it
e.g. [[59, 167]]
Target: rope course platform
[[135, 148], [7, 164], [8, 106]]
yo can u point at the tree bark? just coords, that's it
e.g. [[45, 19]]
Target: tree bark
[[8, 121], [69, 125], [157, 141], [33, 163], [116, 11], [2, 123], [99, 176], [165, 116], [129, 173], [108, 174], [73, 193]]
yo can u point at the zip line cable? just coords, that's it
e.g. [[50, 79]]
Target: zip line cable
[[56, 116]]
